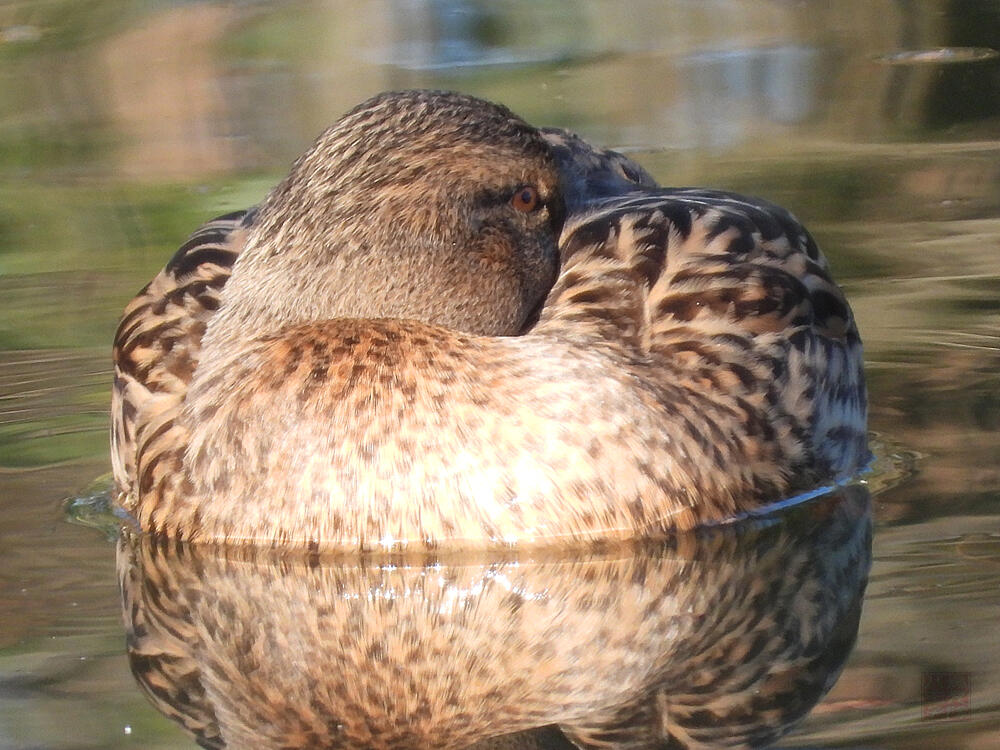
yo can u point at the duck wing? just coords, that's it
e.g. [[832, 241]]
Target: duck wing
[[727, 297], [158, 341]]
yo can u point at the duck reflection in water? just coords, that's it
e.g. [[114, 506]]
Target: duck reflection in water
[[723, 637]]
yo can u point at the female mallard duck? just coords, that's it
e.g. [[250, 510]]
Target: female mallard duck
[[445, 326]]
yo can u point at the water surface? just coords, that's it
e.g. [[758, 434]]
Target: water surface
[[123, 125]]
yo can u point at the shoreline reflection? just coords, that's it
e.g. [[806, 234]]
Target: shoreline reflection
[[726, 636]]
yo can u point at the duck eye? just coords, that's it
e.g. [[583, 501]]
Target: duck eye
[[525, 199]]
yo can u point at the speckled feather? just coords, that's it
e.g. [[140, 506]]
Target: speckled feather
[[693, 359]]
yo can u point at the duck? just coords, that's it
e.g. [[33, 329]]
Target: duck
[[448, 328]]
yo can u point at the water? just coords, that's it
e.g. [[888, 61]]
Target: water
[[125, 124]]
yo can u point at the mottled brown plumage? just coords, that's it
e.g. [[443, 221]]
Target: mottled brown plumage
[[361, 361]]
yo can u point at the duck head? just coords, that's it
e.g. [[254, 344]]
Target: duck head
[[590, 175], [419, 205]]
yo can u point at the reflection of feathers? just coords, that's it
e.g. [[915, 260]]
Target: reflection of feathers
[[721, 638], [159, 641]]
